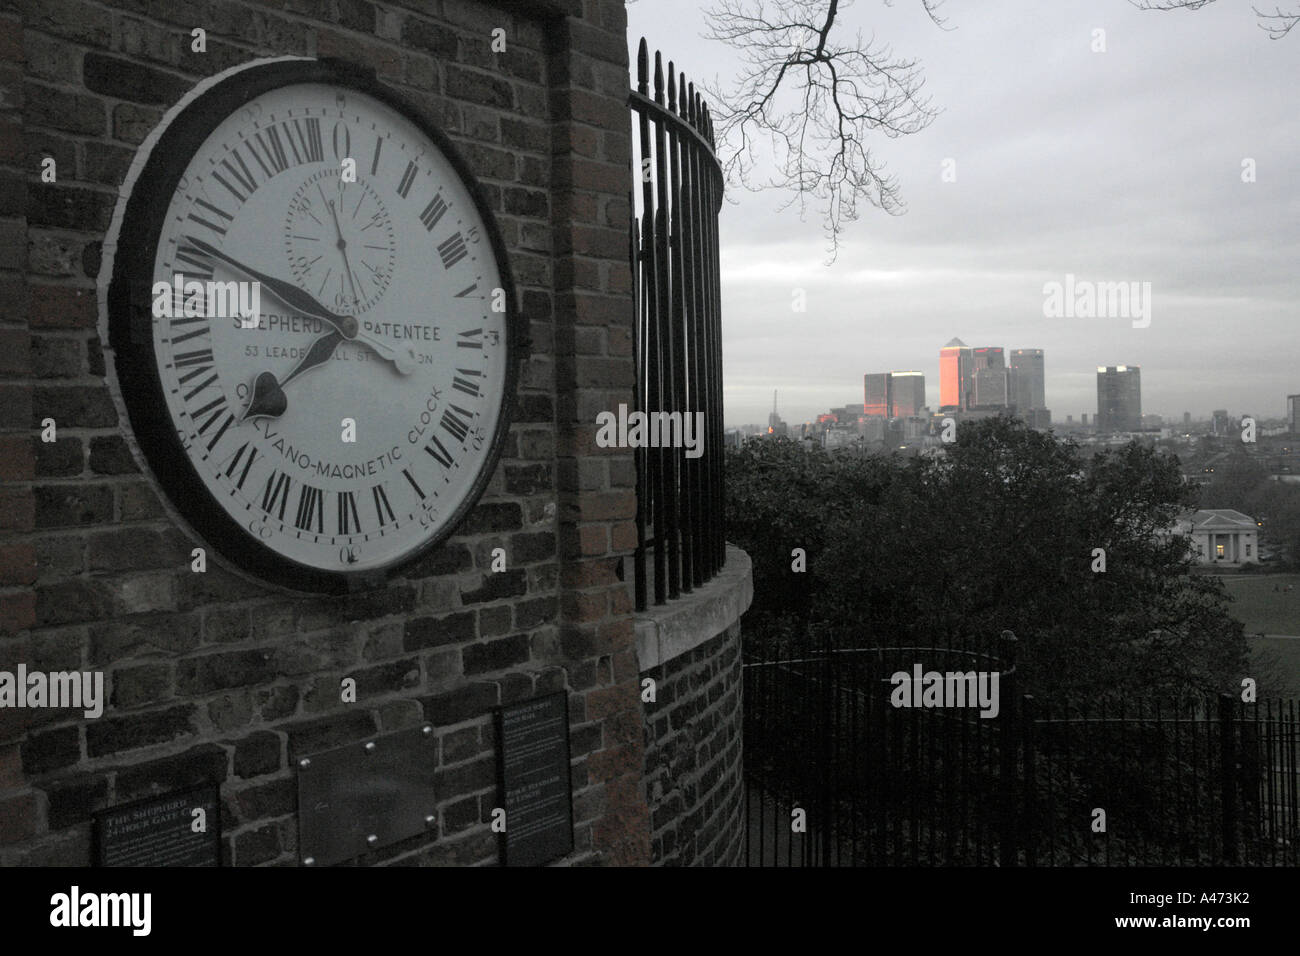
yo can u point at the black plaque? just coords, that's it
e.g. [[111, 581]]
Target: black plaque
[[366, 795], [535, 785], [159, 831]]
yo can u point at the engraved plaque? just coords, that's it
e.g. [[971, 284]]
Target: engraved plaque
[[366, 795], [535, 784], [160, 831]]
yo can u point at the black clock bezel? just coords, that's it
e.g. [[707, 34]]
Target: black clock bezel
[[130, 324]]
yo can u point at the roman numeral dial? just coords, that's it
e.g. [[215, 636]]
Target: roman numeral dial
[[380, 271]]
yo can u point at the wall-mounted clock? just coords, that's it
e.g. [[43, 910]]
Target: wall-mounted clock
[[355, 422]]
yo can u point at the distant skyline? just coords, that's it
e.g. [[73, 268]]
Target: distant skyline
[[1117, 166]]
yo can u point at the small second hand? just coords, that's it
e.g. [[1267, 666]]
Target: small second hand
[[342, 244]]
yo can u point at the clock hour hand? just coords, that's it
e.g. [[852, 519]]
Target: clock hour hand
[[287, 292], [268, 399]]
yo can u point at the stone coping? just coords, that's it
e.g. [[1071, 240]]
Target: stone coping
[[673, 629]]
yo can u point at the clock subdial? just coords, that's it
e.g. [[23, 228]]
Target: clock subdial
[[340, 241]]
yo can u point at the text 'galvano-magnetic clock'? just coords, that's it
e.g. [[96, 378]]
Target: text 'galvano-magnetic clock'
[[351, 421]]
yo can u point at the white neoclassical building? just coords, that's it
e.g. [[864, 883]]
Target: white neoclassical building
[[1222, 536]]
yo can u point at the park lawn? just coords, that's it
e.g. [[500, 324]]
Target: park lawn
[[1262, 609], [1280, 658]]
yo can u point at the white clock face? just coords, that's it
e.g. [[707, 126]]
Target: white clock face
[[344, 430]]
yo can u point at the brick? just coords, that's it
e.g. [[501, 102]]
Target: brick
[[17, 563], [524, 480], [275, 798], [72, 800], [69, 207], [17, 458], [495, 655], [143, 684], [15, 353], [462, 704], [257, 846], [20, 818], [53, 357], [61, 110], [17, 612], [496, 586], [430, 37], [466, 777], [115, 640], [59, 506], [112, 735], [276, 703], [50, 750], [134, 549], [132, 124], [448, 559], [74, 406], [212, 672], [105, 163], [59, 459], [460, 745], [110, 455], [421, 633], [71, 20], [531, 614], [201, 764], [386, 678], [62, 307], [15, 407], [257, 754], [493, 621]]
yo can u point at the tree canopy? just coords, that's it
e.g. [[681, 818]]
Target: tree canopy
[[1008, 530]]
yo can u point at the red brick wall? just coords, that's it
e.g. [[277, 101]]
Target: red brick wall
[[213, 675]]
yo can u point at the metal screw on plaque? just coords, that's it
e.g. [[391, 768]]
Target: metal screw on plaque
[[427, 730], [372, 839], [370, 747], [309, 861], [304, 763]]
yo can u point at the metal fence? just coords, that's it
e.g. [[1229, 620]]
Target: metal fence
[[677, 194], [836, 775]]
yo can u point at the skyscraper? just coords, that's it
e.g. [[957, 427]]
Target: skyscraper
[[990, 386], [990, 377], [1119, 398], [956, 376], [1028, 389], [1293, 414], [877, 395], [907, 393]]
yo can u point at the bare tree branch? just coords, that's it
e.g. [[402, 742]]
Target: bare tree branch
[[816, 99], [1276, 24]]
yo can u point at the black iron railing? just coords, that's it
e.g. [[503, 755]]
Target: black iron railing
[[1205, 783], [677, 194]]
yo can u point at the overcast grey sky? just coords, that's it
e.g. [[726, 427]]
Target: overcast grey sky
[[1123, 165]]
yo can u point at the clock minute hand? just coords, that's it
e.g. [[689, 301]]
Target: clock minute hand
[[296, 298], [287, 292]]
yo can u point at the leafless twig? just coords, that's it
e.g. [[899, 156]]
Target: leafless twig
[[816, 98]]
